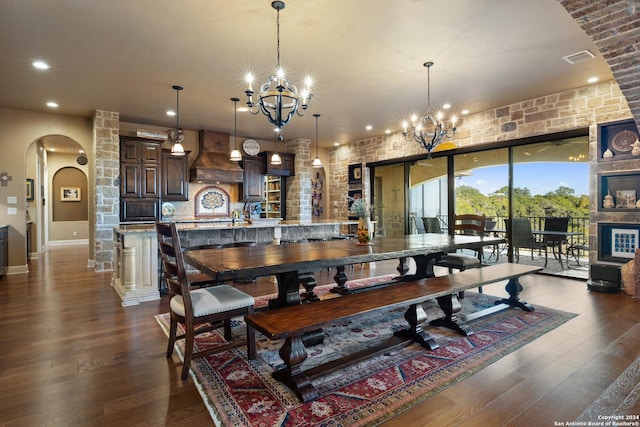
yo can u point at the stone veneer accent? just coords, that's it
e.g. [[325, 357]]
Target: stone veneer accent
[[577, 108], [614, 26], [106, 128], [299, 185]]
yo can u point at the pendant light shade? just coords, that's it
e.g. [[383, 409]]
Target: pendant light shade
[[316, 162], [275, 157], [236, 156]]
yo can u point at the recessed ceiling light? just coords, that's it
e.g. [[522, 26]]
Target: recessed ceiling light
[[171, 113], [336, 144], [592, 79], [40, 65], [369, 127], [387, 131], [464, 112], [52, 104], [446, 106], [243, 109]]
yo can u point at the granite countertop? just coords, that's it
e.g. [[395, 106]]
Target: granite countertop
[[228, 224]]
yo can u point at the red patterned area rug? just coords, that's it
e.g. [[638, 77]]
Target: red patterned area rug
[[239, 392]]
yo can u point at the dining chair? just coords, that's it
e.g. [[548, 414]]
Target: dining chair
[[555, 241], [465, 224], [202, 309], [522, 237]]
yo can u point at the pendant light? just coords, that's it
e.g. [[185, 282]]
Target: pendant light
[[177, 135], [235, 154], [316, 163], [275, 157]]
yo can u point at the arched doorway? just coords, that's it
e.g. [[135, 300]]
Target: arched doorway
[[44, 158]]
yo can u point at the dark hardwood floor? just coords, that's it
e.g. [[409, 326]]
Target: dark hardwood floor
[[73, 356]]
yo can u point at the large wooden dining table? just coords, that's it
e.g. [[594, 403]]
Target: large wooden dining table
[[291, 264]]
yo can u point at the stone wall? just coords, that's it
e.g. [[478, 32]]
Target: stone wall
[[577, 108]]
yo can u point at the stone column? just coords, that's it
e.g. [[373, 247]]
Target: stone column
[[299, 186], [106, 129]]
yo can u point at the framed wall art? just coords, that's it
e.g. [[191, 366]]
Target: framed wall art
[[355, 173], [624, 242], [70, 194], [30, 195]]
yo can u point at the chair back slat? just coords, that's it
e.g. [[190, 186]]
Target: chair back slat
[[173, 262], [469, 224]]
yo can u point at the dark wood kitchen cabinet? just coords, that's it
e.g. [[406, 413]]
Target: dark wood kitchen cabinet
[[175, 177], [285, 169], [253, 171], [140, 175]]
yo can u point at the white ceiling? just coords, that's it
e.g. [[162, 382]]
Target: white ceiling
[[366, 58]]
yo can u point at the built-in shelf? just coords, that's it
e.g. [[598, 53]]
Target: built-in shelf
[[615, 140], [616, 241], [272, 202], [623, 187]]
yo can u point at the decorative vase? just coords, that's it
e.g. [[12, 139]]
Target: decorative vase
[[364, 228], [608, 201]]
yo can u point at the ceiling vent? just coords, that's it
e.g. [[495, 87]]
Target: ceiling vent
[[578, 57]]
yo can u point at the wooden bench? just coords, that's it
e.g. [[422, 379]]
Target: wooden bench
[[290, 323]]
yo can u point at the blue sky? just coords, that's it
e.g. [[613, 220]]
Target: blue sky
[[539, 178]]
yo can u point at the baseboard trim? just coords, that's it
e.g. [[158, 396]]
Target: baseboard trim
[[68, 242]]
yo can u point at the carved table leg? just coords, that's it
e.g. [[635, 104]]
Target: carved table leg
[[402, 267], [308, 282], [451, 305], [341, 279], [289, 294], [294, 354], [416, 316], [513, 289], [288, 290], [424, 266]]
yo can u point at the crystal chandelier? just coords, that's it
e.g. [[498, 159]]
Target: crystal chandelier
[[316, 163], [236, 156], [430, 129], [177, 135], [278, 99]]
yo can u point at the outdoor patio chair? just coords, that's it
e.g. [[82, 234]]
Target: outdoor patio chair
[[432, 224], [522, 237], [555, 241], [199, 310]]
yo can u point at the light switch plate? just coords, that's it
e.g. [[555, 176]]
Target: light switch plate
[[12, 200], [12, 211]]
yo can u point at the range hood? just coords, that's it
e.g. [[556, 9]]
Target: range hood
[[212, 164]]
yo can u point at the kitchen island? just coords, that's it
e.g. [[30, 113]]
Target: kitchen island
[[136, 275]]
